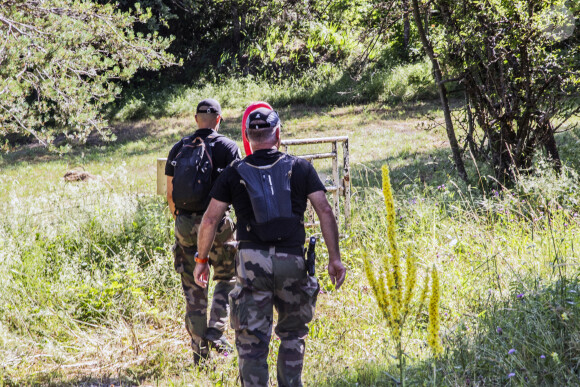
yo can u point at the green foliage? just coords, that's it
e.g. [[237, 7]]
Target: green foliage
[[60, 60], [326, 85], [519, 64]]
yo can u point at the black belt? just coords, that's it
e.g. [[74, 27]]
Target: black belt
[[189, 213], [294, 250]]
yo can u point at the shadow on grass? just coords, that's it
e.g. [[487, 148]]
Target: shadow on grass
[[529, 337], [140, 137], [430, 168]]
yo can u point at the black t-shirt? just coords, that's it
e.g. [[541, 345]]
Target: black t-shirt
[[304, 181], [224, 151]]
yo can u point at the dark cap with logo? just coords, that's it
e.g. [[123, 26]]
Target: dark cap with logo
[[263, 118], [209, 105]]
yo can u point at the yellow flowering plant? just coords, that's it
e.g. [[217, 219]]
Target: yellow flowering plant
[[395, 291]]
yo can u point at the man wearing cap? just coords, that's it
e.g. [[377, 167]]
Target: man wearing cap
[[269, 192], [223, 151]]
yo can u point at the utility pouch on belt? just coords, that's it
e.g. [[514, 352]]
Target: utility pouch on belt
[[269, 190]]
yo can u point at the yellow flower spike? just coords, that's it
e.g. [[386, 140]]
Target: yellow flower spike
[[395, 290], [434, 319], [409, 281], [424, 292], [392, 263], [378, 287]]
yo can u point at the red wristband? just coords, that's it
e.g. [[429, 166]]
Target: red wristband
[[200, 260]]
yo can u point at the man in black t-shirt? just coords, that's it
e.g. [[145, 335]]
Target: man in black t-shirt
[[269, 191], [223, 151]]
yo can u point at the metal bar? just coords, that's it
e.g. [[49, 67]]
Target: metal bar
[[346, 183], [161, 178], [335, 177], [315, 140], [317, 156]]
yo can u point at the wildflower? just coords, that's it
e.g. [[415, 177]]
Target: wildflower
[[542, 357], [521, 295], [409, 281], [511, 375], [434, 318], [499, 330], [392, 289], [511, 351]]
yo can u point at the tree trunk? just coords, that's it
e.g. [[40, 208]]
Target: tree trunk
[[552, 150], [236, 20], [406, 28], [470, 128], [442, 93]]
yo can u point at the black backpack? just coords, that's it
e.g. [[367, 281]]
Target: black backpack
[[269, 190], [193, 169]]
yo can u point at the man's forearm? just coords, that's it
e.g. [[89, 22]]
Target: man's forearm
[[170, 201], [330, 233], [208, 227], [206, 235]]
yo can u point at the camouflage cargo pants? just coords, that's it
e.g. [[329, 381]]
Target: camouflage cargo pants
[[221, 258], [267, 279]]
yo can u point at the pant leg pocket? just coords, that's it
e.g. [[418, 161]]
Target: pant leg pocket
[[310, 289], [238, 309]]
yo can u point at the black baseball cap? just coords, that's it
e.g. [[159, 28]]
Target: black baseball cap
[[209, 105], [263, 118]]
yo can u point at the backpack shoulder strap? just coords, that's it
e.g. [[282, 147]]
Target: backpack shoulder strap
[[213, 137]]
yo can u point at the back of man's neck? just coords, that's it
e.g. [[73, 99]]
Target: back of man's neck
[[265, 147]]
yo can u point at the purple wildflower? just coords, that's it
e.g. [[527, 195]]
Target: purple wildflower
[[499, 330], [511, 351], [226, 353], [521, 295], [542, 357], [511, 375]]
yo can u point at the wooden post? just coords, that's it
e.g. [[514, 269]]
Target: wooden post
[[346, 183], [335, 181], [161, 178]]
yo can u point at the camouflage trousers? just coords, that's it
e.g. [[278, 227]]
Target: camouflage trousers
[[268, 279], [221, 258]]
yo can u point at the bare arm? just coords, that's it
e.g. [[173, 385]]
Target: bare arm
[[170, 195], [329, 228], [207, 230]]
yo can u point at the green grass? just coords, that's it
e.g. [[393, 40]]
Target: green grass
[[326, 85], [89, 295]]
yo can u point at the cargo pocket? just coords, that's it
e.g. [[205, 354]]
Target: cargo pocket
[[310, 289], [238, 309], [178, 258]]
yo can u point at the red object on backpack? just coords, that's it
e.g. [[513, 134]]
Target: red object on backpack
[[253, 106]]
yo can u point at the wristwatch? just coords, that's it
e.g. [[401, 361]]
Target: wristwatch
[[200, 260]]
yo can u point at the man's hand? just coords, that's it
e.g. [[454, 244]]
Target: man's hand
[[201, 274], [329, 228], [337, 272]]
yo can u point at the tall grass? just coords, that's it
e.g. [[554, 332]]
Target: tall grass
[[89, 295]]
